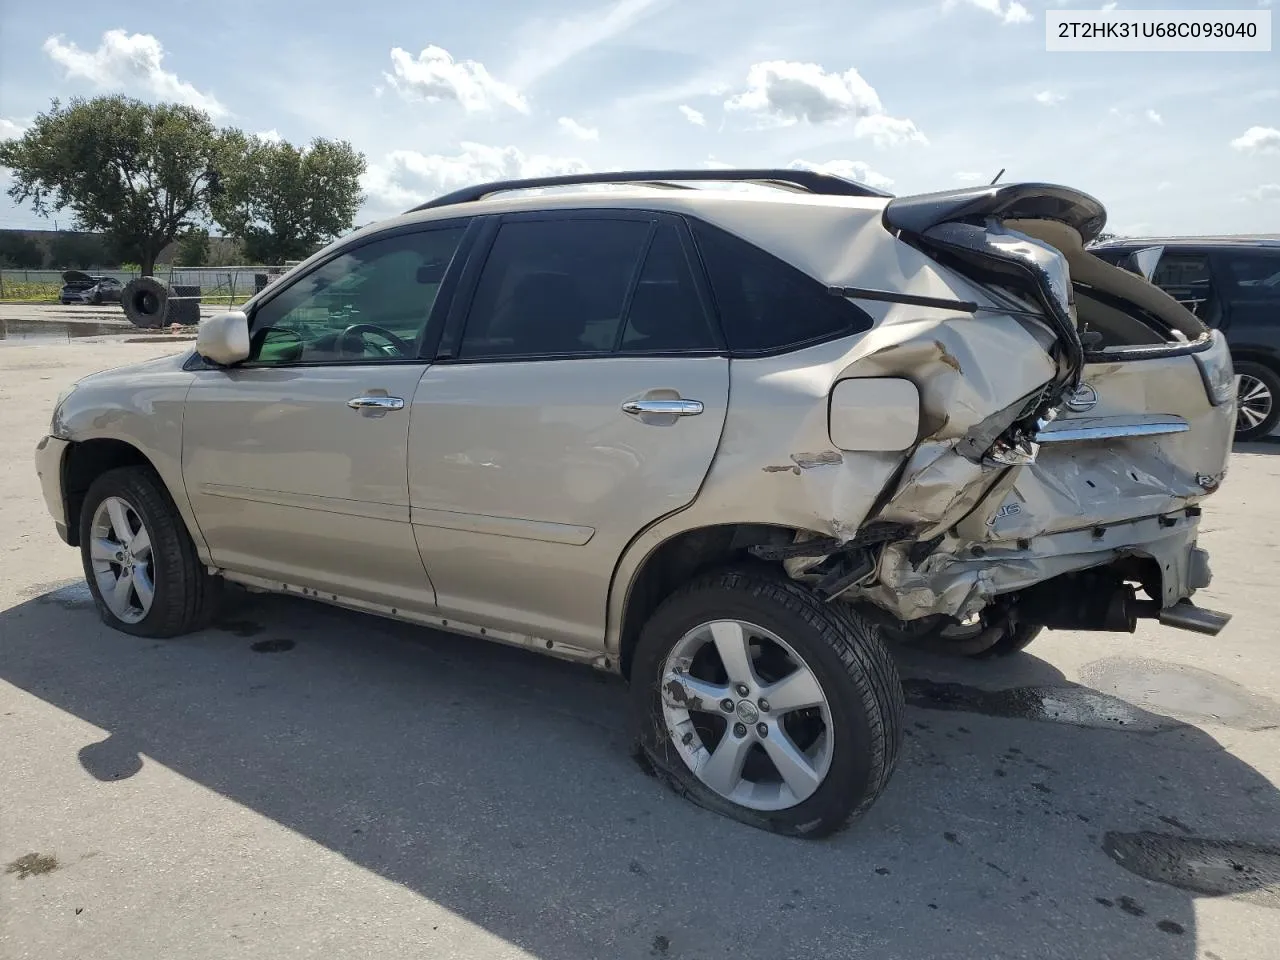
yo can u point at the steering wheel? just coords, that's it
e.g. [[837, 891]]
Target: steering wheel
[[360, 330]]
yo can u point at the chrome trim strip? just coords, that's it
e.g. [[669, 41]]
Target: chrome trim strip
[[304, 501], [1110, 428]]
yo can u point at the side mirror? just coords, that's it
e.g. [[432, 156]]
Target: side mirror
[[224, 339]]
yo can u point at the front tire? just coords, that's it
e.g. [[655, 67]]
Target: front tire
[[139, 559], [1257, 400], [756, 700]]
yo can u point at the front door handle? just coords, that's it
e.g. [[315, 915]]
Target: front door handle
[[670, 408], [376, 403]]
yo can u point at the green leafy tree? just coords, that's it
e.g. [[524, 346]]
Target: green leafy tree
[[20, 251], [193, 248], [77, 251], [140, 173], [283, 202]]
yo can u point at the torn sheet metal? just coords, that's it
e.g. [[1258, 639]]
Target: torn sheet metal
[[959, 581]]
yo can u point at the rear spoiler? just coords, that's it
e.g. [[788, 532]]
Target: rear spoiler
[[1010, 201]]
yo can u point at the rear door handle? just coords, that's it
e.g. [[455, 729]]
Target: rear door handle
[[670, 408], [376, 403]]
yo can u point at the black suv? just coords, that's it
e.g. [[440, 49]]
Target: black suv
[[1232, 283]]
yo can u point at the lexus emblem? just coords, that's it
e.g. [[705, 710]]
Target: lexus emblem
[[1083, 398]]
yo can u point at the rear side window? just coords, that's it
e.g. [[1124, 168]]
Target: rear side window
[[554, 287], [767, 305], [665, 313], [585, 287], [1254, 276]]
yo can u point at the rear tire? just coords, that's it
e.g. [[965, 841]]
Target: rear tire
[[848, 745], [1257, 400], [139, 559]]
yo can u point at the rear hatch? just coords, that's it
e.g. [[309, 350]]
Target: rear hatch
[[1138, 418]]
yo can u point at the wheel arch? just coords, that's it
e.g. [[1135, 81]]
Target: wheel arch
[[654, 566], [83, 463], [1259, 355]]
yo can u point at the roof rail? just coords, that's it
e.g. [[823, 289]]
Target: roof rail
[[810, 181], [1243, 239]]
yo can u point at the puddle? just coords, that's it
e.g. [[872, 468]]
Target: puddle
[[1212, 868], [28, 332], [1184, 692], [1075, 706]]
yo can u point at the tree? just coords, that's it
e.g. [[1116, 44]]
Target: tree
[[282, 201], [77, 251], [20, 251], [193, 248], [140, 173]]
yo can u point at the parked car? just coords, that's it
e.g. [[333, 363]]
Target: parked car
[[725, 443], [1232, 284], [79, 287]]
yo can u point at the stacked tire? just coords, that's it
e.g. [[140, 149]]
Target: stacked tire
[[149, 303]]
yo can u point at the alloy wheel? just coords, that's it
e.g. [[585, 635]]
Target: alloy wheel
[[123, 565], [747, 715], [1253, 402]]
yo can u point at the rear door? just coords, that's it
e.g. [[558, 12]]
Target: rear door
[[578, 396], [1250, 283]]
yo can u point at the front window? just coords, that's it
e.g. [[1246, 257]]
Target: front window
[[369, 304]]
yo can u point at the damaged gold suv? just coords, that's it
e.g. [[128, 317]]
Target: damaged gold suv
[[725, 442]]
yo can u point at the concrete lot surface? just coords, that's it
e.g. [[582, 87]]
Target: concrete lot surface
[[304, 782]]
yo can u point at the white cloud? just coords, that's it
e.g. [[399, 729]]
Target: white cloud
[[1154, 117], [695, 117], [969, 176], [711, 163], [405, 177], [434, 75], [1010, 12], [12, 128], [271, 136], [849, 169], [1110, 6], [1051, 98], [793, 91], [1264, 193], [784, 92], [576, 129], [886, 131], [1258, 140], [129, 62]]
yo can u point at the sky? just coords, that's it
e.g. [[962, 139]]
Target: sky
[[907, 95]]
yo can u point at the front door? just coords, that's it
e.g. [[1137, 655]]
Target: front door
[[295, 461], [1187, 276], [583, 401]]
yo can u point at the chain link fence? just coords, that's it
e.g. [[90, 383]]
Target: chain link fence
[[222, 286]]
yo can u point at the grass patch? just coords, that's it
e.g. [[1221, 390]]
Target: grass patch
[[30, 290]]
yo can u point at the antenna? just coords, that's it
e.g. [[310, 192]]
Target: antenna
[[997, 177]]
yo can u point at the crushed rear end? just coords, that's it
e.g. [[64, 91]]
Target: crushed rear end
[[1072, 419]]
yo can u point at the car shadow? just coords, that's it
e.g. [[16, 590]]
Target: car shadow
[[501, 785]]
